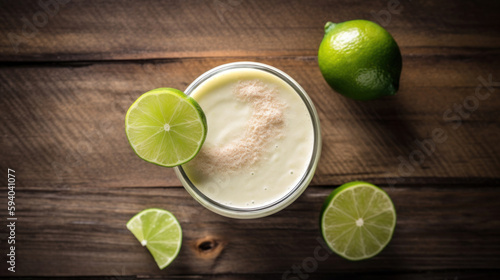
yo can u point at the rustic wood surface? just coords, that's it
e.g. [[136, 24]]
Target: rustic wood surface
[[66, 86]]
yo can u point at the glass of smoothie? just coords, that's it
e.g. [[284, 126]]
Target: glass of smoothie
[[263, 142]]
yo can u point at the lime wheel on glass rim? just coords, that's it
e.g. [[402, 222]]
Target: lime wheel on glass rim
[[166, 127]]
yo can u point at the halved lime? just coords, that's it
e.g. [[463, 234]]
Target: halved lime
[[166, 127], [357, 220], [160, 232]]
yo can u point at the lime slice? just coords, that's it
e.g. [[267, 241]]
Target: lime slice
[[160, 232], [166, 127], [357, 220]]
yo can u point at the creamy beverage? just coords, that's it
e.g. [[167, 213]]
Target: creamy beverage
[[260, 140]]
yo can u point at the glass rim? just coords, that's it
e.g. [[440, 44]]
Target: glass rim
[[291, 195]]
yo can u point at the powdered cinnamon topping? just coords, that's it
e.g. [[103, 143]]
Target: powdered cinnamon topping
[[265, 124]]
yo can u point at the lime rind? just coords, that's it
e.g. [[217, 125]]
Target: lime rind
[[158, 134], [360, 60], [344, 236], [156, 234]]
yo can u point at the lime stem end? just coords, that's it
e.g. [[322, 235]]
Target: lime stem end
[[329, 25]]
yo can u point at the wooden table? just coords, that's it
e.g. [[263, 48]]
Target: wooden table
[[69, 72]]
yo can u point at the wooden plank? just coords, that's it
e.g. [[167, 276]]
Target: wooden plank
[[63, 124], [431, 275], [97, 30], [82, 232]]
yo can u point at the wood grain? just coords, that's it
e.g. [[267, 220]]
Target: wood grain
[[64, 92], [82, 232], [432, 275], [64, 124], [103, 30]]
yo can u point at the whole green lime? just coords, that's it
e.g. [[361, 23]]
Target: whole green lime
[[360, 59]]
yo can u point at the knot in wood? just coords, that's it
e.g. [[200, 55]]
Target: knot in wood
[[208, 247]]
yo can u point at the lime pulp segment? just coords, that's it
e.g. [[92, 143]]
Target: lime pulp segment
[[358, 220], [166, 127], [160, 232]]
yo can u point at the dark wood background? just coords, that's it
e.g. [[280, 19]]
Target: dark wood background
[[66, 87]]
